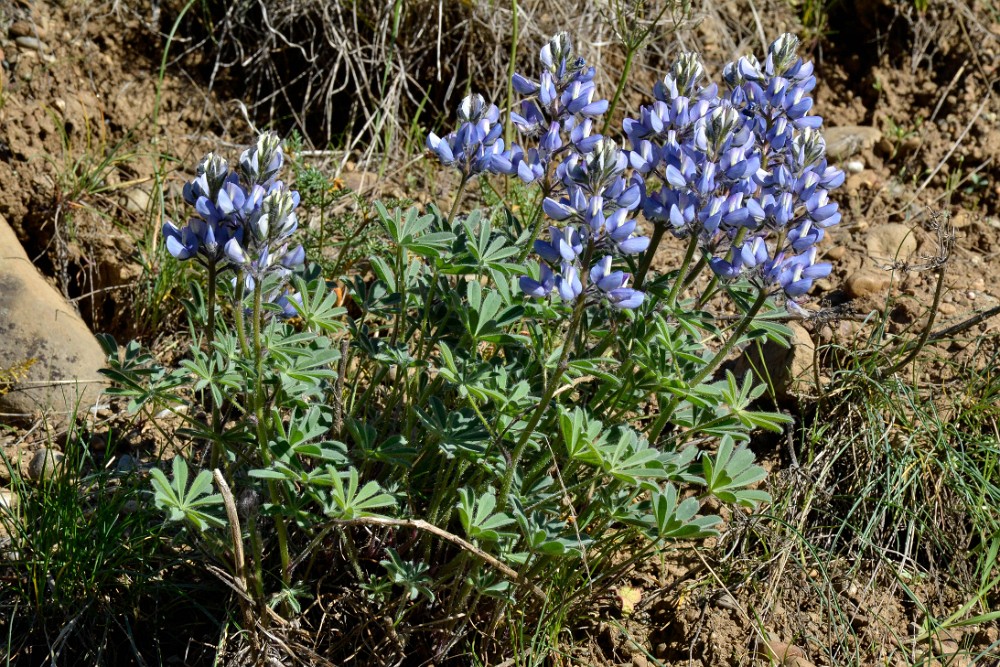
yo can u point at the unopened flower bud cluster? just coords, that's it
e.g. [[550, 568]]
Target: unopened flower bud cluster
[[244, 218]]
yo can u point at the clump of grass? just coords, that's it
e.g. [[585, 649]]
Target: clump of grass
[[891, 486], [86, 579]]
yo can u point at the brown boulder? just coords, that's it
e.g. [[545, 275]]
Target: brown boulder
[[42, 338]]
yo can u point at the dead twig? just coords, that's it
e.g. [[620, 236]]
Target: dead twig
[[420, 524]]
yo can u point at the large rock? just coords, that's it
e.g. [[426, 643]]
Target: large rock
[[43, 334]]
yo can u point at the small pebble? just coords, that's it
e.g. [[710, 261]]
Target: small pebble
[[99, 409], [44, 464], [836, 253], [126, 463], [866, 282], [8, 500], [971, 295], [854, 166], [726, 601], [25, 29], [824, 285], [31, 43]]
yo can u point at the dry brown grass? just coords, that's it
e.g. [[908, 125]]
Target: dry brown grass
[[368, 76]]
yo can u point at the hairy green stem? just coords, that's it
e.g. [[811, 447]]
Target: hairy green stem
[[629, 55], [695, 271], [675, 289], [550, 389], [241, 325], [217, 450], [401, 288], [262, 430], [458, 198], [423, 348], [647, 259]]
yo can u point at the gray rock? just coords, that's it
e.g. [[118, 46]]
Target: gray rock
[[39, 330], [44, 464], [849, 140], [31, 43], [126, 463], [789, 370]]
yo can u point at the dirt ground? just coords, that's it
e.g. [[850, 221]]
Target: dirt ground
[[921, 86]]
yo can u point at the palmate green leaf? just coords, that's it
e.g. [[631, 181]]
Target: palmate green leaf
[[483, 253], [729, 473], [671, 520], [309, 480], [412, 575], [384, 272], [579, 432], [191, 504], [305, 435], [513, 396], [312, 367], [410, 232], [319, 310], [549, 536], [596, 367], [632, 460], [351, 502], [456, 431], [137, 376], [395, 450], [484, 320], [431, 245], [476, 514], [208, 375], [472, 378], [374, 298], [739, 397]]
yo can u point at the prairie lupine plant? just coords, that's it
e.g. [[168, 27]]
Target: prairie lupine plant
[[515, 398], [262, 379]]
